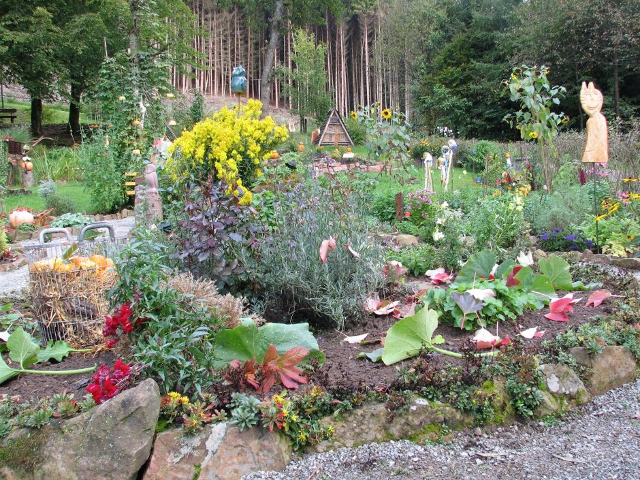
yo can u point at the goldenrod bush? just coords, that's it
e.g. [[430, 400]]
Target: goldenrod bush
[[230, 146]]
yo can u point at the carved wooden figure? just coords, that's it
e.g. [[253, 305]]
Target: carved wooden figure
[[596, 149]]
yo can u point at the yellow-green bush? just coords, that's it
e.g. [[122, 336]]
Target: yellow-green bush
[[230, 146]]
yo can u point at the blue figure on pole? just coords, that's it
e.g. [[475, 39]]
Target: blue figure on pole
[[239, 81]]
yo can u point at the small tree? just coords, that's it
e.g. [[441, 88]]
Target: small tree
[[530, 87], [308, 79]]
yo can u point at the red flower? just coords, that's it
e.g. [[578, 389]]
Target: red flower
[[407, 214]]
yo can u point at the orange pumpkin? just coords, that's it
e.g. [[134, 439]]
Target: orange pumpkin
[[28, 166], [275, 154], [301, 147]]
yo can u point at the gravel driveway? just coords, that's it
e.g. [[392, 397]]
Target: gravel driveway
[[599, 441]]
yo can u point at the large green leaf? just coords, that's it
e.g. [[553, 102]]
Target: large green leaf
[[557, 269], [247, 341], [58, 350], [479, 265], [22, 348], [543, 287], [505, 268], [408, 336], [6, 372]]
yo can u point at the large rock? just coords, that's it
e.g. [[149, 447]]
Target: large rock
[[611, 368], [372, 423], [112, 441], [564, 391], [220, 452]]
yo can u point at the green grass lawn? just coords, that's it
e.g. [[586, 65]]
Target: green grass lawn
[[57, 113], [73, 190]]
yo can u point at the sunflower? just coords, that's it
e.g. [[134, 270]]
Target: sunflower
[[533, 135], [386, 113], [354, 115], [565, 120]]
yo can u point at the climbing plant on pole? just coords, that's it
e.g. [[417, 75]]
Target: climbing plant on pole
[[530, 87]]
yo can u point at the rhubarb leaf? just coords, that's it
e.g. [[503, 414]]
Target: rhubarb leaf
[[22, 348], [408, 336], [479, 265], [557, 269], [57, 351]]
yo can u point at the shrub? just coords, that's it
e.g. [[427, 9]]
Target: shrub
[[171, 333], [564, 240], [561, 209], [230, 147], [357, 131], [497, 222], [216, 226], [102, 173], [57, 204], [418, 259], [290, 268], [476, 159]]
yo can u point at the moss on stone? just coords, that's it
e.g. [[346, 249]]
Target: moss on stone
[[23, 454]]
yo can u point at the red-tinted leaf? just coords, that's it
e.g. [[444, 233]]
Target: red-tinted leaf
[[512, 281], [557, 316], [438, 276], [284, 368], [597, 297], [563, 304], [386, 307]]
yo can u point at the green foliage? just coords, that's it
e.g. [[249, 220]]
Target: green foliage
[[497, 222], [530, 87], [25, 352], [418, 258], [388, 137], [306, 81], [411, 335], [250, 342], [290, 269], [596, 336], [357, 131], [477, 157], [76, 220], [197, 108], [245, 410], [561, 209], [103, 173]]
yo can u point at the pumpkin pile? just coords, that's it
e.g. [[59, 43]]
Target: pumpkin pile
[[103, 266]]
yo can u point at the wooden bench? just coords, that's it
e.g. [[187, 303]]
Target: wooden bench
[[10, 113]]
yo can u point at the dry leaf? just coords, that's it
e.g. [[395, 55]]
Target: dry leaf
[[355, 338], [325, 247], [352, 251], [532, 333], [481, 293], [597, 297]]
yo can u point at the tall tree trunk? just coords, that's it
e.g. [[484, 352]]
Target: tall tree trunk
[[274, 36], [36, 116], [616, 83], [74, 110]]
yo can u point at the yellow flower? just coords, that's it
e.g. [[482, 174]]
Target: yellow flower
[[386, 113], [170, 95], [354, 115], [121, 98], [565, 120], [533, 135]]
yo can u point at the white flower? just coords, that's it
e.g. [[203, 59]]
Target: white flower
[[519, 208], [438, 235], [444, 204], [439, 221]]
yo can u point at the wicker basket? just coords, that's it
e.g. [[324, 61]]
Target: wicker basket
[[71, 306], [70, 303]]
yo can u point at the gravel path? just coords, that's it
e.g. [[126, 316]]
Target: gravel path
[[13, 282], [599, 441]]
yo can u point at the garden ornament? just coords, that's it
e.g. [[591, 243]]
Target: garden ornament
[[151, 177], [239, 80], [597, 148], [428, 163]]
